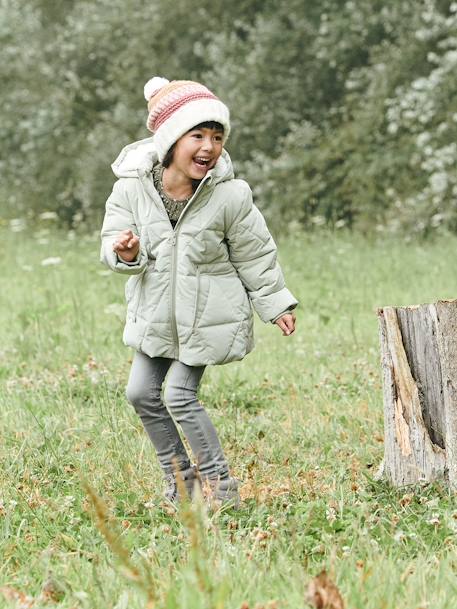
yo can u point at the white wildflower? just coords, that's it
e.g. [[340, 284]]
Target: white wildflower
[[68, 501], [52, 261], [93, 371], [48, 215], [399, 536], [434, 520], [318, 220], [330, 514], [17, 225]]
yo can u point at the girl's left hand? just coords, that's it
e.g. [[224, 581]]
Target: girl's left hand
[[287, 323]]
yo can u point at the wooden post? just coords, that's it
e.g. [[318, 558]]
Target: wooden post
[[419, 365]]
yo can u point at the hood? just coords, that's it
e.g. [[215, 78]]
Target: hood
[[138, 158]]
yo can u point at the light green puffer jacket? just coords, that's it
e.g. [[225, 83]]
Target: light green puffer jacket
[[190, 292]]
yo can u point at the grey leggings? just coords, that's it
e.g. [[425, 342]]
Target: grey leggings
[[180, 395]]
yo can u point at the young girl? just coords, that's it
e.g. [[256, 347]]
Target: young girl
[[199, 256]]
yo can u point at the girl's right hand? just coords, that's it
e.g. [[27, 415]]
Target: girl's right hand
[[127, 245], [287, 323]]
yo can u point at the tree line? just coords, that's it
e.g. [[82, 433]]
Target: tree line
[[344, 113]]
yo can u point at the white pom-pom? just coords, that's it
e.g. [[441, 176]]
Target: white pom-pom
[[153, 85]]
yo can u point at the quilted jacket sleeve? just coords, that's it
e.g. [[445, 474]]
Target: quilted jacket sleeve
[[253, 253], [118, 217]]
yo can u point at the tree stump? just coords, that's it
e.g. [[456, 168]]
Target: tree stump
[[419, 365]]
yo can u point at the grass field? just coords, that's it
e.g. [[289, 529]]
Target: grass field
[[82, 520]]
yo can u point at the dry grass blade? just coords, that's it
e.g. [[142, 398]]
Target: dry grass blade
[[108, 527]]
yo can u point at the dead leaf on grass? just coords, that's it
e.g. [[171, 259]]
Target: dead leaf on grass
[[323, 594], [20, 598], [52, 590]]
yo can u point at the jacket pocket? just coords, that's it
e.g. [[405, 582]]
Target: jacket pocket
[[197, 297], [234, 296], [133, 295]]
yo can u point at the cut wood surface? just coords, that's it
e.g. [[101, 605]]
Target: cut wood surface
[[419, 365]]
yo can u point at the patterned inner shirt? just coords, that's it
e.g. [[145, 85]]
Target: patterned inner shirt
[[173, 207]]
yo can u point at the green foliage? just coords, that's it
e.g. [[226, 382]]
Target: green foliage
[[383, 154], [343, 112]]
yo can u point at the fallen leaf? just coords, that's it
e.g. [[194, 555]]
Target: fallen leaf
[[23, 601], [323, 594], [52, 590]]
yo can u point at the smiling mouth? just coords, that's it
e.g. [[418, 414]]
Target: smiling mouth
[[201, 162]]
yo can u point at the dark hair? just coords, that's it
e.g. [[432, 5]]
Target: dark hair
[[168, 158], [209, 125]]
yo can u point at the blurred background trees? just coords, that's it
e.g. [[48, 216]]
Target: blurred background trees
[[344, 113]]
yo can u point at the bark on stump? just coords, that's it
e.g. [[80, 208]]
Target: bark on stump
[[419, 365]]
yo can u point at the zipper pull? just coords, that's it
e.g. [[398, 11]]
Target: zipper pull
[[173, 239]]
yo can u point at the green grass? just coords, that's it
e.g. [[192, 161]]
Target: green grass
[[301, 421]]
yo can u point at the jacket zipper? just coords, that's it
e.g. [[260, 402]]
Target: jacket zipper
[[174, 241], [174, 328]]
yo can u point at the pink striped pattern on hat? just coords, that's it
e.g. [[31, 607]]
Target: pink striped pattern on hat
[[165, 114], [171, 97]]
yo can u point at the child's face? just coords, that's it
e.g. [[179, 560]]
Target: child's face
[[196, 152]]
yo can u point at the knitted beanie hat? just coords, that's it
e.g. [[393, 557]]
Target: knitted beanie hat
[[176, 107]]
